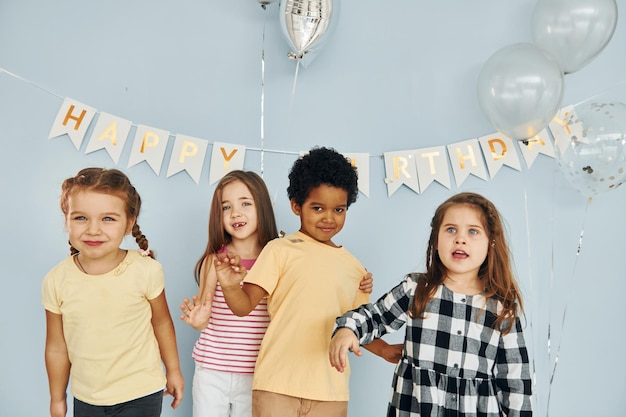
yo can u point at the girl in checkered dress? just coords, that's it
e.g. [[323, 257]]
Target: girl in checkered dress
[[464, 352]]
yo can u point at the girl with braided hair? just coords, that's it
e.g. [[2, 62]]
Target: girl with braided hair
[[107, 319]]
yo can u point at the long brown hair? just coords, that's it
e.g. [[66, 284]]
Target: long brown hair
[[266, 223], [495, 272], [107, 181]]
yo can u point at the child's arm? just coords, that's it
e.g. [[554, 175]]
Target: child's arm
[[166, 338], [513, 381], [343, 340], [197, 311], [57, 364], [390, 353], [241, 299]]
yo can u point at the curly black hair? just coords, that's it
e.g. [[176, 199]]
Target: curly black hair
[[322, 166]]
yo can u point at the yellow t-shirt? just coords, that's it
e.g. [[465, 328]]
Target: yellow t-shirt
[[309, 285], [107, 326]]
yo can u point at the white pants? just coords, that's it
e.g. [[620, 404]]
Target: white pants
[[221, 394]]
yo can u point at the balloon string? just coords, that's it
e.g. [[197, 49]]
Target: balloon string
[[530, 278], [263, 99], [552, 275], [569, 292], [295, 80]]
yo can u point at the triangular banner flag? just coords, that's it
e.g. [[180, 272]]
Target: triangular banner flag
[[110, 133], [540, 144], [225, 157], [499, 150], [400, 169], [149, 145], [362, 163], [432, 165], [72, 119], [565, 127], [188, 154], [466, 159]]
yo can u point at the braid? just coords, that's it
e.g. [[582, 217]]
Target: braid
[[142, 241]]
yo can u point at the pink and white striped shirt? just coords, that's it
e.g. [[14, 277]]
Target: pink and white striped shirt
[[231, 343]]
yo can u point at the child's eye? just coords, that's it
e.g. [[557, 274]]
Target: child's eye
[[224, 208], [339, 210], [473, 231], [317, 208], [246, 203], [80, 218], [451, 230], [108, 219]]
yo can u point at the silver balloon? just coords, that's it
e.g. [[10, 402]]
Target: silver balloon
[[574, 31], [264, 3], [520, 88], [596, 162], [307, 25]]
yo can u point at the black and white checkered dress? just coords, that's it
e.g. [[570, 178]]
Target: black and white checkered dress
[[454, 362]]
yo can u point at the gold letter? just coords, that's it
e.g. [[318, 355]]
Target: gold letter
[[150, 140], [470, 156], [534, 141], [493, 148], [431, 160], [563, 122], [78, 119], [188, 149], [227, 158], [399, 164], [110, 133]]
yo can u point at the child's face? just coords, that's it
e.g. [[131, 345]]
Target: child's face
[[239, 212], [462, 241], [97, 223], [323, 213]]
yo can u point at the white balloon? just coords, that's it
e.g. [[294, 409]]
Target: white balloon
[[520, 88], [307, 26], [574, 31], [596, 162]]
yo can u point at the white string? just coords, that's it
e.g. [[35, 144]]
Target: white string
[[569, 292], [295, 80], [5, 71], [263, 99]]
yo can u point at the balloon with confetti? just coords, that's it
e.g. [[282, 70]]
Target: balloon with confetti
[[594, 161]]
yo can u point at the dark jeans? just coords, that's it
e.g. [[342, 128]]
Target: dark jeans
[[148, 406]]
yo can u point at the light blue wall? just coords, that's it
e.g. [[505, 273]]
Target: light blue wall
[[395, 75]]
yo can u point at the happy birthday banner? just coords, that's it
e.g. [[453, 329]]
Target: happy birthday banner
[[417, 169]]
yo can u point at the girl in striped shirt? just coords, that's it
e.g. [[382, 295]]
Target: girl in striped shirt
[[241, 222]]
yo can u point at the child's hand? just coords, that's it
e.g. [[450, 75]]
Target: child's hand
[[175, 386], [343, 340], [58, 408], [195, 313], [229, 270], [392, 353], [367, 283]]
